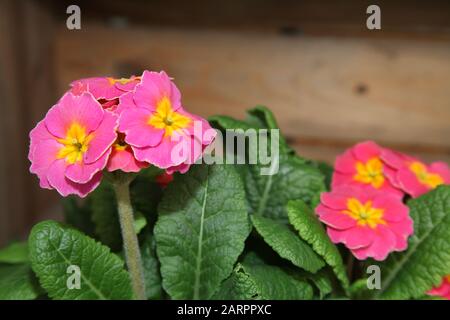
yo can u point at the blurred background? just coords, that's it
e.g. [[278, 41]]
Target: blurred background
[[329, 80]]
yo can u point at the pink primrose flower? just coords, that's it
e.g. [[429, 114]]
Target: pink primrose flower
[[158, 129], [413, 176], [361, 166], [370, 223], [71, 146]]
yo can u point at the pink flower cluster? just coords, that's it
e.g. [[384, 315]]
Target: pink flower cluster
[[365, 209], [115, 124]]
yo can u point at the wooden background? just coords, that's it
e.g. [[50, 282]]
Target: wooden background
[[329, 80]]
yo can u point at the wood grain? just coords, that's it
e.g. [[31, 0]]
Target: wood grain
[[337, 91]]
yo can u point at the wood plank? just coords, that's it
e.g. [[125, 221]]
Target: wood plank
[[26, 91], [346, 90], [12, 190], [291, 17]]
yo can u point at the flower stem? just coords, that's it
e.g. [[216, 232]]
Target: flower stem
[[130, 240]]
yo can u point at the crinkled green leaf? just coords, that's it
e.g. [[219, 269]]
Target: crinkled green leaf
[[201, 230], [321, 280], [310, 229], [150, 264], [287, 244], [263, 282], [411, 273], [17, 282], [54, 247], [268, 194], [16, 252]]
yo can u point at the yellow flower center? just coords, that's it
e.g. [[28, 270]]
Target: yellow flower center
[[120, 144], [431, 180], [75, 144], [370, 172], [113, 81], [364, 214], [167, 119]]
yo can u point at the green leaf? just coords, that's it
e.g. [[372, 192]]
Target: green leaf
[[263, 282], [150, 264], [327, 170], [17, 282], [411, 273], [322, 281], [287, 244], [201, 230], [268, 194], [310, 229], [359, 290], [139, 222], [226, 122], [54, 247], [14, 253]]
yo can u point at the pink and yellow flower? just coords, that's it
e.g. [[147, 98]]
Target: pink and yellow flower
[[368, 222], [361, 166], [414, 176], [443, 290], [71, 146], [106, 90], [158, 129], [122, 157]]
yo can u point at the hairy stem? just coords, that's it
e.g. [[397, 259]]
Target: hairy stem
[[130, 240]]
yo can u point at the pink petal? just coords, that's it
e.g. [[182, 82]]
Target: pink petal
[[104, 137], [182, 168], [345, 163], [394, 209], [334, 218], [167, 154], [37, 135], [353, 238], [129, 86], [64, 186], [410, 184], [442, 169], [365, 151], [395, 159], [343, 179], [334, 201], [83, 172], [45, 153], [138, 133], [153, 87], [78, 87], [101, 88], [83, 109], [384, 243], [199, 128], [124, 160], [126, 101]]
